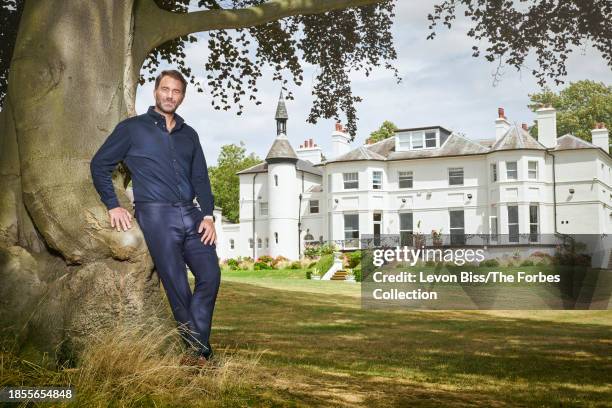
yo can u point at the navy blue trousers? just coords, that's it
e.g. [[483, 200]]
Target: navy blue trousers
[[171, 234]]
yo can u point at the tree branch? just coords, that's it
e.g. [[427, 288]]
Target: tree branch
[[156, 26]]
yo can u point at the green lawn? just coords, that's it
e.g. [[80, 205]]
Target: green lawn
[[292, 280], [282, 340], [320, 348]]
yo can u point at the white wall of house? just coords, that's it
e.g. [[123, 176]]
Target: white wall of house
[[586, 172], [587, 210], [283, 204], [228, 243]]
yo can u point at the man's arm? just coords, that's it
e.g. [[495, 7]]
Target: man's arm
[[201, 181], [104, 162]]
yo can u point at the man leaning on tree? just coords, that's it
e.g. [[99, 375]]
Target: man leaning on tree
[[168, 169]]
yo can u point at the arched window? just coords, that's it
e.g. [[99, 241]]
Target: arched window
[[276, 180], [276, 237], [231, 244], [267, 242], [259, 243], [251, 243]]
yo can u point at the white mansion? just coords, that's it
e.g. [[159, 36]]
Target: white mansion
[[419, 180]]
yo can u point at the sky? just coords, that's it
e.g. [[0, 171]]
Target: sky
[[442, 84]]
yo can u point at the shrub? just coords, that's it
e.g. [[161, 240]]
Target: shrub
[[326, 249], [325, 263], [318, 249], [490, 263], [354, 259], [357, 274], [367, 263], [265, 259], [430, 263], [232, 263], [261, 265], [274, 262], [312, 264], [311, 250], [309, 274], [583, 260], [295, 265], [527, 262], [568, 258]]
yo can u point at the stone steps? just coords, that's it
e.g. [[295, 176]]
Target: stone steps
[[339, 275]]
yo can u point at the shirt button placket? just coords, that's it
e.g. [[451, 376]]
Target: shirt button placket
[[174, 164]]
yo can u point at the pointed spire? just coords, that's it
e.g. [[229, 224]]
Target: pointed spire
[[281, 149], [281, 116], [281, 109]]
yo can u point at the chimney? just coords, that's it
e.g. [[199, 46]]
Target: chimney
[[501, 124], [340, 141], [547, 126], [309, 151], [599, 137]]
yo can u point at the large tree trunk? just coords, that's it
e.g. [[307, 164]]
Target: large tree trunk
[[64, 273]]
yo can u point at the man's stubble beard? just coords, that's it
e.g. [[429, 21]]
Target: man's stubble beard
[[159, 106]]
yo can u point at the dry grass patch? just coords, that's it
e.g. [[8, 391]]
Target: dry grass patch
[[140, 366]]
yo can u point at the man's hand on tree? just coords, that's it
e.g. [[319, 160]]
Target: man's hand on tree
[[210, 235], [120, 218]]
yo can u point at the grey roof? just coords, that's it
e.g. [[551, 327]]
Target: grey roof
[[281, 109], [301, 165], [517, 138], [281, 149], [571, 142], [455, 145], [258, 168], [486, 142], [360, 153]]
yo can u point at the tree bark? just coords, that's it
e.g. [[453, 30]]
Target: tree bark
[[64, 273]]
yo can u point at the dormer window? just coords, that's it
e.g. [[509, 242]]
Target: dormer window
[[418, 139], [431, 139]]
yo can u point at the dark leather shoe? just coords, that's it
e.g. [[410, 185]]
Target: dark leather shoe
[[207, 352]]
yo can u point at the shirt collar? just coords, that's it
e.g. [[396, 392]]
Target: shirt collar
[[158, 116]]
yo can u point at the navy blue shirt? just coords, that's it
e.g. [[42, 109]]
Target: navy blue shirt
[[165, 166]]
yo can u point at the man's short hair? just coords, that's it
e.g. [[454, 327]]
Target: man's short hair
[[173, 73]]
